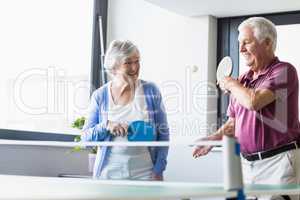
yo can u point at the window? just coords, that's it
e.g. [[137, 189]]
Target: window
[[45, 49], [287, 47], [228, 46]]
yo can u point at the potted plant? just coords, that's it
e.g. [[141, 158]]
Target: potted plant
[[78, 123]]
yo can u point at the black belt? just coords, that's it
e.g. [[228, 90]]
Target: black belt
[[272, 152]]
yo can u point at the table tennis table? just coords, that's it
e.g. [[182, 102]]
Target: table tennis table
[[55, 188]]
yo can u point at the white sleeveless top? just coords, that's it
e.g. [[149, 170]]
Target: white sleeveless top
[[128, 162]]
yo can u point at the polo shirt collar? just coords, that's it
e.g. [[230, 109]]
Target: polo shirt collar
[[249, 75]]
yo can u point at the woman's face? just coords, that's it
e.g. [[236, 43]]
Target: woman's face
[[129, 68]]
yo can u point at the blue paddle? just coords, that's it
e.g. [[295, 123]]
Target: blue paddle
[[141, 131]]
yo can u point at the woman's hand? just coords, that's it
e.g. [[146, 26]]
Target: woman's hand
[[117, 129]]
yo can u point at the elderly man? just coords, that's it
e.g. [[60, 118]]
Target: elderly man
[[263, 109]]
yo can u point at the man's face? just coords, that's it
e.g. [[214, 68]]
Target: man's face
[[252, 50]]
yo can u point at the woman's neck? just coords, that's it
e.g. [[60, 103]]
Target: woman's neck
[[122, 92], [123, 85]]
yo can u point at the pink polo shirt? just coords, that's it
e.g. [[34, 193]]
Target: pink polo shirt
[[275, 124]]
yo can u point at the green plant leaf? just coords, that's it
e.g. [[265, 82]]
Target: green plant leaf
[[77, 138], [79, 123]]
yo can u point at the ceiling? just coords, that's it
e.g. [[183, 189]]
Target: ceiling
[[227, 8]]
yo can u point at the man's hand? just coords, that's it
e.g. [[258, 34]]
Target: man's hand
[[226, 83], [156, 177], [117, 129], [203, 150]]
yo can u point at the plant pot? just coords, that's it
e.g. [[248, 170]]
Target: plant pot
[[92, 158]]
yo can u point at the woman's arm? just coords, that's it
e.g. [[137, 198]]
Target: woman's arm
[[162, 129], [95, 127]]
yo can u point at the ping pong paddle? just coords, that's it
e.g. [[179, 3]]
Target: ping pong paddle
[[141, 131], [224, 68]]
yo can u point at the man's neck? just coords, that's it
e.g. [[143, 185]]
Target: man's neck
[[262, 66]]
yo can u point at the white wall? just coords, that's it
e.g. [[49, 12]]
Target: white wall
[[179, 54]]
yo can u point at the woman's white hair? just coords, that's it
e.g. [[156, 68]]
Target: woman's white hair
[[118, 51], [262, 28]]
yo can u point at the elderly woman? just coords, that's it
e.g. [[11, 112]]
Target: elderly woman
[[113, 106]]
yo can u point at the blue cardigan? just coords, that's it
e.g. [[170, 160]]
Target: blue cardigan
[[95, 126]]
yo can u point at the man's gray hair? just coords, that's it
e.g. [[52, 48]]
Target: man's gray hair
[[262, 28], [117, 52]]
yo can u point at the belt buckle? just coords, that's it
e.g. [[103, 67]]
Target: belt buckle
[[259, 155], [295, 143]]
